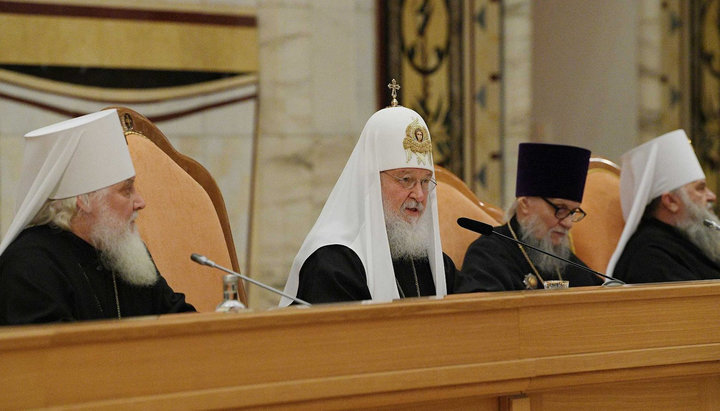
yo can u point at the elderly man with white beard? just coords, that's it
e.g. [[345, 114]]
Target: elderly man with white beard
[[549, 189], [73, 251], [377, 237], [665, 201]]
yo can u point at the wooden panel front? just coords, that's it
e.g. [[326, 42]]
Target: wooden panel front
[[558, 350]]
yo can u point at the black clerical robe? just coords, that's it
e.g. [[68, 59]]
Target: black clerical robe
[[493, 263], [658, 252], [50, 275], [334, 273]]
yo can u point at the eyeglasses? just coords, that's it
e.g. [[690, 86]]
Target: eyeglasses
[[408, 183], [562, 213]]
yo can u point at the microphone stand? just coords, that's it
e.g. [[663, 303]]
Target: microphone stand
[[711, 224], [469, 225], [611, 281], [201, 259]]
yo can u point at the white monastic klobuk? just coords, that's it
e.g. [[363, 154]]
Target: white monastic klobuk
[[66, 159], [353, 214], [663, 164]]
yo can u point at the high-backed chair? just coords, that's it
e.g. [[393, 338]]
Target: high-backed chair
[[453, 203], [447, 177], [595, 237], [184, 214]]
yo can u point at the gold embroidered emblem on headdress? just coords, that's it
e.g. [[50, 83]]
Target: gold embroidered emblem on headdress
[[417, 140]]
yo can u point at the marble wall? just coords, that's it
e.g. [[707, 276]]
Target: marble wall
[[517, 88], [584, 74], [317, 89], [575, 73]]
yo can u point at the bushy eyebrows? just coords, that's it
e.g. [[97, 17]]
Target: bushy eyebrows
[[559, 202], [128, 183], [424, 174]]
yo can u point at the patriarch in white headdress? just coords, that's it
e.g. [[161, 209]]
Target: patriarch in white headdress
[[353, 216]]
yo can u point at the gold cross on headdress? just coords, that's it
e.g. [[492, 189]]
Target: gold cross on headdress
[[394, 86]]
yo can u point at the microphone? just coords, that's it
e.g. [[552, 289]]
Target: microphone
[[711, 224], [487, 229], [202, 260]]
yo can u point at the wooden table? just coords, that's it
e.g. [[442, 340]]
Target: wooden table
[[635, 347]]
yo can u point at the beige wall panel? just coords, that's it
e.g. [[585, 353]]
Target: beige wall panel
[[95, 42]]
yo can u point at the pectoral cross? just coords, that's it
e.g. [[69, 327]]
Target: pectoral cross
[[394, 86]]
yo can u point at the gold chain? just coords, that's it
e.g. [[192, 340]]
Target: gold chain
[[535, 270], [417, 285], [402, 294], [117, 300]]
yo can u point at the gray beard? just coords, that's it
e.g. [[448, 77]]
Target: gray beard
[[692, 227], [122, 250], [543, 262], [407, 240]]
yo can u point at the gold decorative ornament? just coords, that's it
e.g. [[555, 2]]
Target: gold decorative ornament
[[417, 141], [127, 122], [530, 281], [527, 258], [394, 86]]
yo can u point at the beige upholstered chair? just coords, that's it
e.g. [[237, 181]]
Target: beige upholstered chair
[[184, 214], [456, 200], [447, 177], [595, 237]]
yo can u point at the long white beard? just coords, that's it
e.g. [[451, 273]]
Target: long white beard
[[706, 239], [544, 262], [408, 239], [122, 249]]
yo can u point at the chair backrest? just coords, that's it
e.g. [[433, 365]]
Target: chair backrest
[[595, 237], [184, 214], [453, 203], [447, 177]]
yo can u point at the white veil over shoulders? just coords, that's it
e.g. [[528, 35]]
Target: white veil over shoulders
[[353, 213], [663, 164]]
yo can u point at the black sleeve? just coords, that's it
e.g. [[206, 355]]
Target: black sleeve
[[33, 289], [652, 264], [579, 277], [333, 273], [488, 266], [168, 301], [450, 271]]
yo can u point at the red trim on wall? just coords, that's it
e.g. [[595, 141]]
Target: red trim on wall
[[53, 9], [155, 118], [40, 105]]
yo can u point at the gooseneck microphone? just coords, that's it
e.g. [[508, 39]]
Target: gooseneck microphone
[[711, 224], [201, 259], [487, 229]]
